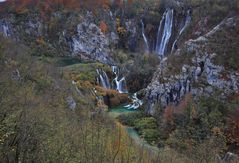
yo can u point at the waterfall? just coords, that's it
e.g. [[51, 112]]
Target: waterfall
[[160, 29], [145, 38], [103, 79], [136, 103], [119, 83], [164, 32], [5, 29], [186, 23]]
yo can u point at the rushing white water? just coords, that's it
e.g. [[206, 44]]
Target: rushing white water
[[186, 23], [136, 103], [145, 38], [119, 83], [160, 31], [164, 32], [5, 29], [103, 79]]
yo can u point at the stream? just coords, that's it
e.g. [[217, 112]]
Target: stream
[[115, 112]]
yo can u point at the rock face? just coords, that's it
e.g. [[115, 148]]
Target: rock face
[[90, 43], [87, 42], [71, 102], [34, 28], [132, 30], [199, 76]]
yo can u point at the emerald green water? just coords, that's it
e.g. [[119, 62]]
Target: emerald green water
[[66, 61], [115, 112]]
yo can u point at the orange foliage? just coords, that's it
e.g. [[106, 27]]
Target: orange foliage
[[115, 98], [40, 40], [232, 130], [48, 6], [168, 114], [184, 103], [103, 27]]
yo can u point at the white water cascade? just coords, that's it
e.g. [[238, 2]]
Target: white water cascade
[[119, 83], [145, 38], [186, 23], [164, 32], [103, 79], [5, 29], [136, 103]]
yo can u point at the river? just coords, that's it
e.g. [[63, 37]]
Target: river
[[115, 112]]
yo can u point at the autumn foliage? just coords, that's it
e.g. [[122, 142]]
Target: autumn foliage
[[232, 130], [48, 6], [168, 114], [103, 27], [181, 108]]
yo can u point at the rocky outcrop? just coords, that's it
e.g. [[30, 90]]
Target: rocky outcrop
[[71, 102], [132, 30], [32, 28], [90, 43], [87, 42], [200, 77]]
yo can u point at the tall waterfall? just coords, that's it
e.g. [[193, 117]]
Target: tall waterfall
[[145, 38], [164, 32], [103, 79], [119, 83], [186, 23]]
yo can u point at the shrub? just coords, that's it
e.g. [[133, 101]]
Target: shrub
[[146, 123], [129, 119], [150, 135]]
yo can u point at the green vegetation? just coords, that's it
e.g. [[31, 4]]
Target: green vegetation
[[202, 129], [129, 119], [192, 126], [36, 123], [45, 118], [146, 126]]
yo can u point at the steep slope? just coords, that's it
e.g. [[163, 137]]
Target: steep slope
[[200, 67], [43, 117]]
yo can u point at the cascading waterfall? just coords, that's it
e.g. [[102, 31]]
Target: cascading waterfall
[[164, 32], [119, 83], [136, 103], [145, 38], [186, 23], [5, 29], [103, 79]]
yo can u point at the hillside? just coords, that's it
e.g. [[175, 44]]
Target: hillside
[[119, 81]]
